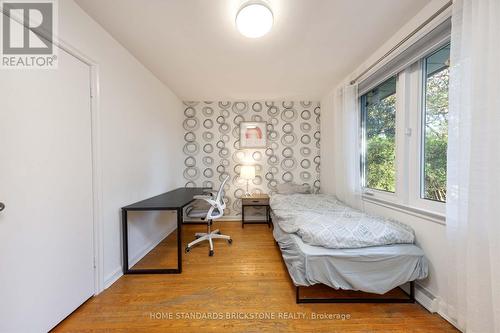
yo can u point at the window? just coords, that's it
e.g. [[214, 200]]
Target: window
[[379, 136], [404, 131], [435, 125]]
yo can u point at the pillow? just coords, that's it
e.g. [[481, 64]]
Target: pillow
[[291, 188]]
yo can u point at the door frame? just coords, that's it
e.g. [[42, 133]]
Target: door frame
[[98, 225], [94, 90]]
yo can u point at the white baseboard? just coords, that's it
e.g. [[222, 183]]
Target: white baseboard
[[445, 310], [118, 272], [425, 298], [230, 218], [223, 219], [433, 303], [110, 279], [451, 321]]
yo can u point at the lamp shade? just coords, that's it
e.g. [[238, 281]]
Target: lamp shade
[[247, 172]]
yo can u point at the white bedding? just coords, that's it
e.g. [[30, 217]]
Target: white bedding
[[322, 220]]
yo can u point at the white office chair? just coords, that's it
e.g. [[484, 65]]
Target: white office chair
[[215, 211]]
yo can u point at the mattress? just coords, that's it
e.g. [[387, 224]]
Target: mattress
[[375, 269], [323, 220]]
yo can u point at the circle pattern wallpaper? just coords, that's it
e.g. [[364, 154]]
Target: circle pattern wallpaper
[[212, 148]]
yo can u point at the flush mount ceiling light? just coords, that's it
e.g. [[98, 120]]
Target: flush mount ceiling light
[[254, 20]]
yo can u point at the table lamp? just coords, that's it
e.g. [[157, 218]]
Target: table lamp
[[247, 172]]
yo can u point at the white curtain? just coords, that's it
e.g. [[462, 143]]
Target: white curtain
[[347, 150], [473, 198]]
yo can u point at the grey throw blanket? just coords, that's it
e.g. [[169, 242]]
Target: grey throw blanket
[[322, 220]]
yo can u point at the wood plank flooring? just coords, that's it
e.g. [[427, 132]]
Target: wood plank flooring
[[245, 287]]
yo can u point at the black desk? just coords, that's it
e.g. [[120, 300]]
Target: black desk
[[173, 200]]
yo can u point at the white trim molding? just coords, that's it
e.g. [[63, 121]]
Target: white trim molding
[[418, 212], [99, 282]]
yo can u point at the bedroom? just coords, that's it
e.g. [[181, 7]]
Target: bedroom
[[263, 165]]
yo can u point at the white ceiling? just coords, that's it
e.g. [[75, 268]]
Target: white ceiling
[[195, 49]]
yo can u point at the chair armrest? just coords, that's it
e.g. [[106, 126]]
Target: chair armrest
[[207, 198], [202, 197]]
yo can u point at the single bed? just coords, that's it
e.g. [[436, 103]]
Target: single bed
[[346, 262]]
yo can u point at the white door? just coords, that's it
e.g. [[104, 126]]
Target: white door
[[46, 227]]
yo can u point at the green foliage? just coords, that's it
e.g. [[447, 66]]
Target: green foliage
[[381, 144], [381, 118], [380, 173], [436, 136], [435, 168], [380, 140]]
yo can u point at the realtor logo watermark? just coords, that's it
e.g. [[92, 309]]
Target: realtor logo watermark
[[27, 34]]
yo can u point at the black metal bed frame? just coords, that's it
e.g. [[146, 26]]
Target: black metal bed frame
[[410, 299]]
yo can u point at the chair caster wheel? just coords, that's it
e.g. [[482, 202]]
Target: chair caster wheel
[[211, 253], [230, 241], [187, 249]]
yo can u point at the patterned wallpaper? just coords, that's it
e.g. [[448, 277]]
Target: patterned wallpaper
[[212, 148]]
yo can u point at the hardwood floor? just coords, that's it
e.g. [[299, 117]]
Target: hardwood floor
[[246, 281]]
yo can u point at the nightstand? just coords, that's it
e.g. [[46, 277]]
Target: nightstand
[[255, 200]]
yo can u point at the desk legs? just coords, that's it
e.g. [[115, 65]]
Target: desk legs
[[268, 216], [127, 270], [125, 241], [242, 216], [180, 218]]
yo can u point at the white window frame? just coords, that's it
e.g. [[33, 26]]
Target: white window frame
[[410, 113], [395, 196], [417, 147]]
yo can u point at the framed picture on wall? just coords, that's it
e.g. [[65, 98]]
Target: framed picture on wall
[[253, 134]]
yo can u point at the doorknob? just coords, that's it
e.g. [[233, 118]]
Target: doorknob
[[2, 206]]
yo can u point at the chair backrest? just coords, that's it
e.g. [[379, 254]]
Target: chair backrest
[[220, 194], [219, 200]]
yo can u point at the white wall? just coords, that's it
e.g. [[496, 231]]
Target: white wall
[[431, 236], [141, 136]]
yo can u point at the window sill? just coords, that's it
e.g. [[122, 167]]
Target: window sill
[[418, 212]]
